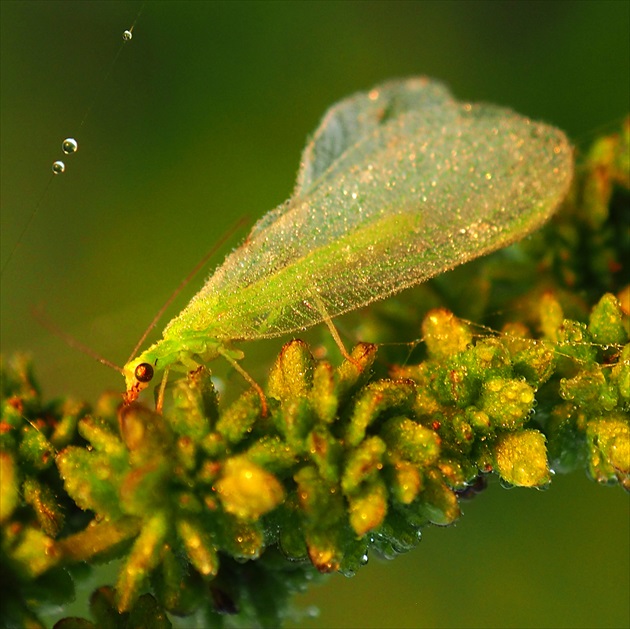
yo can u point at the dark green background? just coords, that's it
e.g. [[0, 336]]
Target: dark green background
[[202, 121]]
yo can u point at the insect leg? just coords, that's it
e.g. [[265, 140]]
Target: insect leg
[[160, 398], [335, 333], [252, 382]]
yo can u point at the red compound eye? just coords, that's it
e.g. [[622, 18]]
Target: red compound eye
[[144, 372]]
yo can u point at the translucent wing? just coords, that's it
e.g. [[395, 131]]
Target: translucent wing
[[349, 122], [398, 185]]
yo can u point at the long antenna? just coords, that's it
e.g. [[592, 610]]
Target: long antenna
[[39, 315], [230, 232]]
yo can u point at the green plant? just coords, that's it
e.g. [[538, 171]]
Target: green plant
[[224, 512]]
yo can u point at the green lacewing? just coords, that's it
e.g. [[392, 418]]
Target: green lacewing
[[397, 185]]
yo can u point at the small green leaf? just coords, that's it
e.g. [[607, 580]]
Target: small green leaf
[[143, 558], [368, 506], [35, 449], [323, 395], [147, 613], [381, 397], [242, 539], [444, 334], [246, 490], [363, 464], [195, 405], [92, 480], [411, 441], [608, 441], [292, 374], [200, 547], [521, 458], [325, 451], [45, 504], [238, 419], [33, 553], [507, 402], [438, 502], [9, 486], [606, 322]]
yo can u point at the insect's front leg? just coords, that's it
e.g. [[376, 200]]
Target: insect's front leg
[[185, 363], [228, 355]]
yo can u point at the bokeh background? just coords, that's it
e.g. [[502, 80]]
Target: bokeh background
[[201, 121]]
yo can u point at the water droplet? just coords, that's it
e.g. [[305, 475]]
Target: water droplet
[[58, 167], [127, 35], [311, 612], [69, 145]]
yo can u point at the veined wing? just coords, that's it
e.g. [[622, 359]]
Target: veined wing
[[384, 203]]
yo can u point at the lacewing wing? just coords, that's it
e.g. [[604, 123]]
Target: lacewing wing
[[397, 185]]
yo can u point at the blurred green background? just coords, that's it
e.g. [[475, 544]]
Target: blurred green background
[[201, 121]]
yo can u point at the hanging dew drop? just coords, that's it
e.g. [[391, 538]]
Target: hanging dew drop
[[127, 35], [58, 167], [69, 145]]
